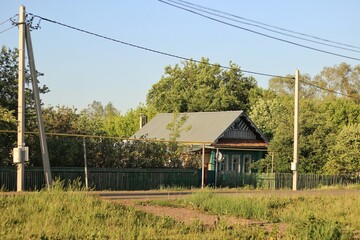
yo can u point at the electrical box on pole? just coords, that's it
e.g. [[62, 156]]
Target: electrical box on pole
[[20, 154]]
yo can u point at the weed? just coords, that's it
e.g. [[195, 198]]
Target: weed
[[70, 185], [315, 228]]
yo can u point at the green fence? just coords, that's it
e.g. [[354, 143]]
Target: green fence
[[284, 180], [104, 179], [146, 179], [311, 181], [254, 180]]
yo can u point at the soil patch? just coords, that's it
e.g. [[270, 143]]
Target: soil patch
[[189, 216]]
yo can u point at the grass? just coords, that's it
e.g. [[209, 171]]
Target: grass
[[59, 214], [67, 212], [307, 217]]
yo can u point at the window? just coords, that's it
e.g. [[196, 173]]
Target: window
[[223, 166], [247, 162], [235, 163]]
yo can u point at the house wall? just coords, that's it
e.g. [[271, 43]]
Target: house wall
[[235, 161]]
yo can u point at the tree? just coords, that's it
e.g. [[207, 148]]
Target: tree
[[9, 101], [7, 140], [320, 122], [176, 126], [9, 83], [7, 116], [344, 157], [285, 86], [340, 78], [201, 87], [129, 123]]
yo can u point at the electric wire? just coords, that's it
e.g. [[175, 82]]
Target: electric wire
[[259, 33], [265, 24], [105, 137], [180, 57], [258, 26], [329, 90], [7, 29], [8, 20], [149, 49], [1, 23]]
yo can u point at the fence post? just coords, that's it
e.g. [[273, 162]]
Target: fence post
[[85, 166]]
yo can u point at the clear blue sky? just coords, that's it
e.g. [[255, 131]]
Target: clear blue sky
[[80, 68]]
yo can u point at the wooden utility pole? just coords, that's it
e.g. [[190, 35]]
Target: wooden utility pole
[[42, 136], [20, 150], [294, 164]]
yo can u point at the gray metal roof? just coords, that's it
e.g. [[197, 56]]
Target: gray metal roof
[[205, 126]]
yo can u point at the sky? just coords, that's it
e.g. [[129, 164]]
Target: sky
[[80, 68]]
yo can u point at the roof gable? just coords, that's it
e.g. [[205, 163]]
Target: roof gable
[[205, 126]]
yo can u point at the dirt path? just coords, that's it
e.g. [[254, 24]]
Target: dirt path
[[189, 216]]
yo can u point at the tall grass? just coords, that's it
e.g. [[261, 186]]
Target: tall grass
[[307, 217], [76, 215]]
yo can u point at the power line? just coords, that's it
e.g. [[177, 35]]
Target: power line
[[8, 20], [105, 137], [201, 9], [1, 23], [328, 90], [265, 24], [7, 29], [259, 33], [180, 57], [149, 49]]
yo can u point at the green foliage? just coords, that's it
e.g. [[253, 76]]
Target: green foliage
[[261, 209], [70, 185], [9, 102], [344, 157], [273, 116], [285, 86], [106, 120], [68, 215], [198, 87], [320, 123], [7, 116], [176, 126], [140, 154], [303, 216], [323, 115], [314, 228], [340, 78], [328, 121], [101, 152]]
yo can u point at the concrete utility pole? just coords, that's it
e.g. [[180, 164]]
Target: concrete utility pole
[[43, 143], [85, 166], [294, 164], [203, 167], [20, 150]]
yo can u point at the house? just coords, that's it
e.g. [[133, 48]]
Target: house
[[231, 133]]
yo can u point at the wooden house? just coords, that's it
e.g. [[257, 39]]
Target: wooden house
[[229, 136]]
